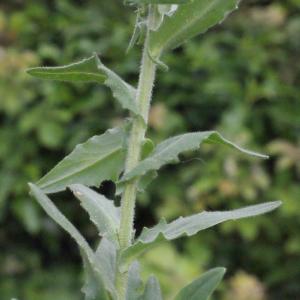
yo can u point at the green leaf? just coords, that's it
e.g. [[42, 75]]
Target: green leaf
[[121, 90], [134, 283], [168, 151], [189, 226], [100, 158], [152, 290], [86, 251], [160, 1], [61, 220], [103, 213], [93, 287], [84, 70], [106, 264], [203, 287], [188, 21]]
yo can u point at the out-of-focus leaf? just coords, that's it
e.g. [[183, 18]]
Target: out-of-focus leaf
[[168, 151], [189, 226], [160, 1], [203, 287], [103, 213], [134, 283], [106, 263], [188, 21], [84, 70], [100, 158], [152, 290]]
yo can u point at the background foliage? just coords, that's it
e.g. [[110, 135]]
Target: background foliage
[[242, 78]]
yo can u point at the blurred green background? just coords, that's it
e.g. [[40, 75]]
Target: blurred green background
[[241, 78]]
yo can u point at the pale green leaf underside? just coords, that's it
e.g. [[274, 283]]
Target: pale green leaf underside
[[103, 213], [188, 21], [106, 264], [168, 151], [203, 287], [100, 158], [61, 220], [84, 70], [152, 290], [121, 90], [94, 269], [189, 226], [134, 282]]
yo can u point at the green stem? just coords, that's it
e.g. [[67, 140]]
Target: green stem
[[137, 135]]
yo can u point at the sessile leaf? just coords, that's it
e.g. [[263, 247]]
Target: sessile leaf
[[91, 69], [168, 151], [203, 287], [122, 91], [100, 158], [103, 213], [188, 21], [85, 70], [189, 226]]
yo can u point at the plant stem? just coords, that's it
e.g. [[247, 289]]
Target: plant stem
[[137, 135]]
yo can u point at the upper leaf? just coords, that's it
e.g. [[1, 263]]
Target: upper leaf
[[100, 158], [103, 213], [203, 287], [168, 151], [121, 90], [91, 69], [190, 226], [188, 21], [84, 70]]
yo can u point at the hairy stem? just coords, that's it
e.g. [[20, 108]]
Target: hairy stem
[[137, 135]]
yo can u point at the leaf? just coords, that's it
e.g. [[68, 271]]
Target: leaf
[[86, 252], [106, 263], [203, 287], [121, 90], [189, 226], [134, 283], [188, 21], [93, 286], [152, 290], [103, 213], [84, 70], [168, 151], [160, 1], [61, 220], [100, 158]]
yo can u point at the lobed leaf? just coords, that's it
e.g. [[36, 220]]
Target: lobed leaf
[[121, 90], [84, 70], [91, 69], [203, 287], [189, 226], [188, 21], [103, 213], [168, 151], [100, 158]]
